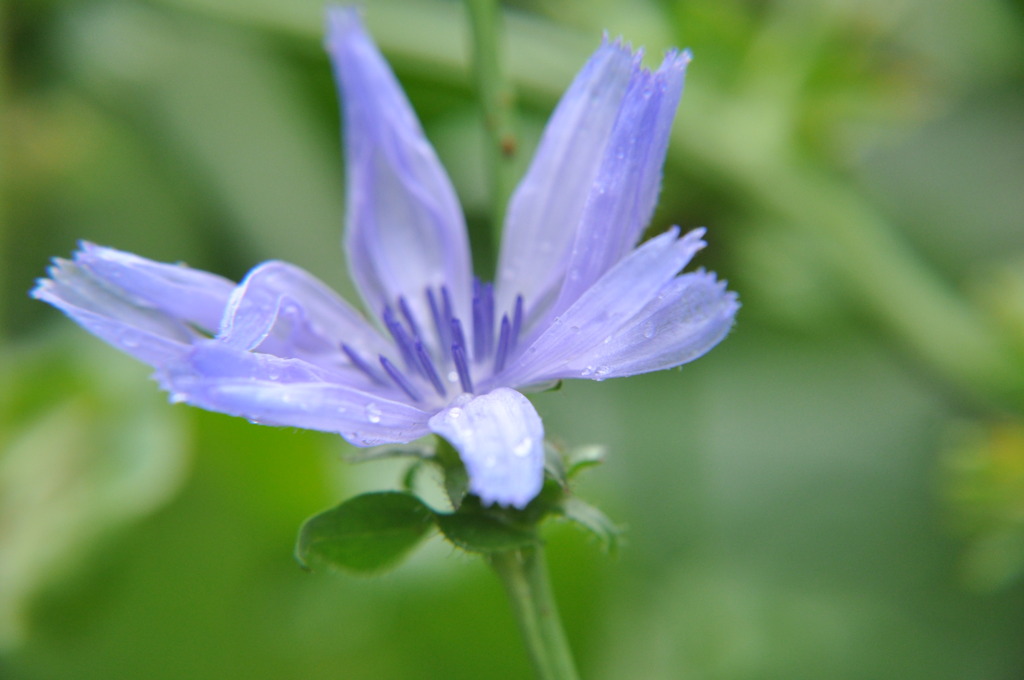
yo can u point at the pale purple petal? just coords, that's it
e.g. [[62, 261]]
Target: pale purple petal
[[603, 309], [283, 310], [545, 210], [625, 191], [405, 226], [500, 439], [147, 309], [290, 392], [691, 315], [192, 295]]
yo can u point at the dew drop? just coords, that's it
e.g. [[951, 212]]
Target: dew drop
[[587, 372], [454, 413], [453, 376], [523, 448], [373, 413], [649, 330], [130, 340]]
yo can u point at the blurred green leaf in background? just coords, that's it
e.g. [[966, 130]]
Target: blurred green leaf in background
[[834, 493]]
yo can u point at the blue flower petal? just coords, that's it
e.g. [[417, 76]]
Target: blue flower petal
[[688, 317], [147, 309], [405, 226], [625, 191], [604, 308], [282, 309], [275, 391], [500, 438], [546, 208]]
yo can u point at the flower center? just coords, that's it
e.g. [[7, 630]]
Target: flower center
[[437, 355]]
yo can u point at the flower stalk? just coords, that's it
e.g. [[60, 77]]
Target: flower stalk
[[496, 101], [525, 576]]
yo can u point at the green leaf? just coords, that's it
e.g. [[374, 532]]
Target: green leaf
[[483, 533], [365, 534], [593, 520], [584, 457]]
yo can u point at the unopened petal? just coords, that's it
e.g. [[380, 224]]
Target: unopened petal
[[500, 438], [405, 226], [545, 210], [281, 309]]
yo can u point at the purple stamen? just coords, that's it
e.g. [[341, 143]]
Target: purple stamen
[[442, 326], [478, 322], [483, 320], [427, 368], [446, 306], [400, 379], [461, 366], [410, 320], [458, 339], [504, 341], [401, 336], [517, 322], [361, 363]]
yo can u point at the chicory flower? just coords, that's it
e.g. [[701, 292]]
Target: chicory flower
[[441, 352]]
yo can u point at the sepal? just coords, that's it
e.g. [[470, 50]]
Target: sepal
[[485, 531], [593, 520]]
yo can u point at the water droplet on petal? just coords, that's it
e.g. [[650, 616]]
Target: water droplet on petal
[[373, 413], [587, 372], [649, 329], [130, 340], [523, 448], [454, 413]]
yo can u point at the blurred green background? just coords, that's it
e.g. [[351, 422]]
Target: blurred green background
[[836, 492]]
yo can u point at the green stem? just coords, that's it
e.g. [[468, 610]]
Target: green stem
[[525, 576], [496, 100]]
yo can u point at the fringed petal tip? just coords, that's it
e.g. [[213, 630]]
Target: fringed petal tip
[[500, 439], [676, 60]]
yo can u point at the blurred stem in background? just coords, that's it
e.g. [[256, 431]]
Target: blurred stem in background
[[496, 101], [523, 572], [747, 137]]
